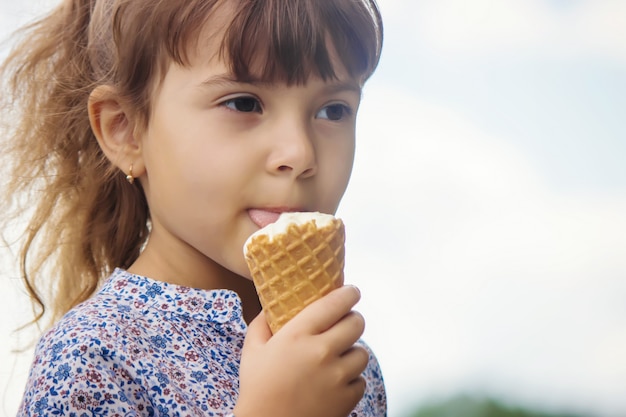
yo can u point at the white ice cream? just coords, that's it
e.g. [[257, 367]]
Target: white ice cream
[[286, 219]]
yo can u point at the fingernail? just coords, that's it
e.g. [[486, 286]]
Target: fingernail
[[357, 290]]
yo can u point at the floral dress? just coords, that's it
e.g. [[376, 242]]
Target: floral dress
[[141, 347]]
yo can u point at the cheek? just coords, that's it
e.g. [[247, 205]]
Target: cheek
[[335, 172], [342, 158]]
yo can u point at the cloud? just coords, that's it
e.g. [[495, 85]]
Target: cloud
[[456, 28], [474, 272]]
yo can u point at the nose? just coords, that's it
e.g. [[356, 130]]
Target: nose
[[293, 152]]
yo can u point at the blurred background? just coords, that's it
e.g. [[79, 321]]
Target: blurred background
[[486, 217]]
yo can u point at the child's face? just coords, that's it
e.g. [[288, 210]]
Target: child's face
[[220, 155]]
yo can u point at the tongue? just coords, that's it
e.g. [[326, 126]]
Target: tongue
[[263, 217]]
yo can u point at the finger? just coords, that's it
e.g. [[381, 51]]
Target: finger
[[258, 332], [325, 312], [353, 363], [345, 333], [355, 391]]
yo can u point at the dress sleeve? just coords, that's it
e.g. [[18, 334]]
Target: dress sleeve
[[72, 376], [374, 401]]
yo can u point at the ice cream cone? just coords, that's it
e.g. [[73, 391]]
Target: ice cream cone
[[295, 261]]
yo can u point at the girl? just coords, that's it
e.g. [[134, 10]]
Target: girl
[[154, 137]]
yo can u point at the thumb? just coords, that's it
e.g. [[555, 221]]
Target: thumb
[[259, 331]]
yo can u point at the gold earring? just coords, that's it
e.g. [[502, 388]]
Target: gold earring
[[130, 177]]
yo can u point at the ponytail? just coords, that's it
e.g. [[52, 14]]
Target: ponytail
[[86, 219]]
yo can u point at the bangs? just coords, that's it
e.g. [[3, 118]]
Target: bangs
[[287, 40], [290, 40]]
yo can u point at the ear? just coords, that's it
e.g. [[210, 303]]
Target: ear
[[115, 129]]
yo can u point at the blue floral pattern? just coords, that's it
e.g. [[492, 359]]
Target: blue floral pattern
[[141, 347]]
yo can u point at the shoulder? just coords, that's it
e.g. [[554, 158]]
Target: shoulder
[[95, 321], [86, 336], [80, 363]]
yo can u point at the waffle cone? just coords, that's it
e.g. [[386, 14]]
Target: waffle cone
[[292, 269]]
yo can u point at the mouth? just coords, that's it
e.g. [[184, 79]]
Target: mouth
[[263, 217]]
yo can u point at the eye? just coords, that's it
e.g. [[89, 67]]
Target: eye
[[243, 104], [334, 112]]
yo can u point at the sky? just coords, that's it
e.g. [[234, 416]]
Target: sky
[[485, 218]]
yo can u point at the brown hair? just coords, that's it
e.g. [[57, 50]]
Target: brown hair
[[84, 219]]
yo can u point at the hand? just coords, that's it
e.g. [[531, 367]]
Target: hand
[[309, 368]]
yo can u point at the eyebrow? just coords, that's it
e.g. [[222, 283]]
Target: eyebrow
[[229, 80]]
